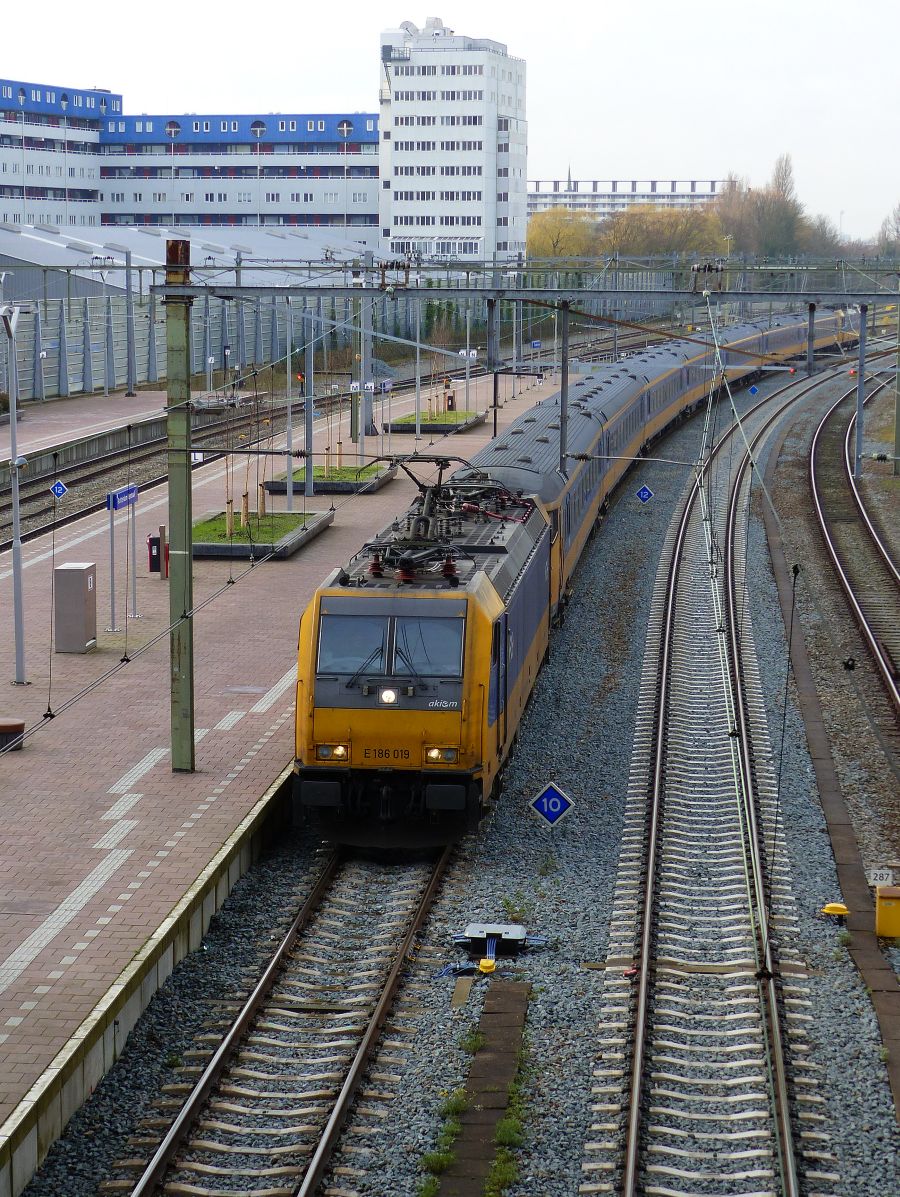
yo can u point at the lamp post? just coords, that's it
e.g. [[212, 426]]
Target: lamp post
[[10, 318], [173, 129], [258, 128]]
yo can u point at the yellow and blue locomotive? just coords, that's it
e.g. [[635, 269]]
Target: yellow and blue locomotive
[[417, 658]]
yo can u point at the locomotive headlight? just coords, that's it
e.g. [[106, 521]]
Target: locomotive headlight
[[387, 696], [332, 752], [441, 756]]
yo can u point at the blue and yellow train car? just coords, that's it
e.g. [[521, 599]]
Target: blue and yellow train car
[[417, 658]]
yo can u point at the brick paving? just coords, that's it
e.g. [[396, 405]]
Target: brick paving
[[98, 838]]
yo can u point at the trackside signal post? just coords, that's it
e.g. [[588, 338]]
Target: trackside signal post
[[181, 578]]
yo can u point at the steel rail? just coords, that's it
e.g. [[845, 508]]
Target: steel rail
[[635, 1115], [766, 977], [330, 1135], [863, 510], [885, 667], [155, 1171]]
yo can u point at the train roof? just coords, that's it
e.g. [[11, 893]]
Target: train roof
[[526, 456]]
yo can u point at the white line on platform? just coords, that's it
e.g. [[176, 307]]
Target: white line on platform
[[272, 696], [122, 807], [116, 834], [127, 780], [16, 962], [227, 722]]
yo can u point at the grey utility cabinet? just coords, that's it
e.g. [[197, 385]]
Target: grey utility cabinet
[[75, 606]]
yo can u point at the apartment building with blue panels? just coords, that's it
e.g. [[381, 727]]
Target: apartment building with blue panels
[[70, 157]]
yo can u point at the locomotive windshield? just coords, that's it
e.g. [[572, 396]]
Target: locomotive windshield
[[399, 646], [348, 643], [431, 647]]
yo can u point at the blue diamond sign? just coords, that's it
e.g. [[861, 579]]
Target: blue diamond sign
[[645, 494], [59, 489], [754, 390], [551, 804]]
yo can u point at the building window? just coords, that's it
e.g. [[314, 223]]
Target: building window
[[359, 197], [121, 126], [138, 197], [206, 126], [223, 127], [272, 197], [159, 197], [321, 126], [293, 126], [245, 197], [209, 197], [370, 126], [282, 125], [310, 126], [234, 126], [331, 197]]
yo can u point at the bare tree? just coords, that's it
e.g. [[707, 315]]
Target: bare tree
[[889, 233]]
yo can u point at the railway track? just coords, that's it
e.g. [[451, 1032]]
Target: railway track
[[268, 1108], [701, 1084], [859, 555]]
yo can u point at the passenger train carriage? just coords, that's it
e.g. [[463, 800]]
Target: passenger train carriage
[[417, 658]]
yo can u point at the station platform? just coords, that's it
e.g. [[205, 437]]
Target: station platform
[[56, 421], [111, 865]]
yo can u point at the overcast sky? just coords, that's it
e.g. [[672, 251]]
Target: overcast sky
[[636, 89]]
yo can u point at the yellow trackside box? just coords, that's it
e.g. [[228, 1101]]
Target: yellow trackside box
[[887, 911]]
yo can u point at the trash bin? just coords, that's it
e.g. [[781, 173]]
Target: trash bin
[[153, 561], [75, 606]]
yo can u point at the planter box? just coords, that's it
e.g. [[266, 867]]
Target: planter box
[[278, 486], [433, 426], [288, 545]]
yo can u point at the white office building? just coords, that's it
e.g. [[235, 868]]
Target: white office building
[[452, 146], [600, 198]]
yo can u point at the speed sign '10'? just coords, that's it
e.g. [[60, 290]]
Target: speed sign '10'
[[551, 804]]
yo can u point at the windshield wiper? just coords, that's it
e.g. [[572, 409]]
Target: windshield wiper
[[365, 665], [407, 661]]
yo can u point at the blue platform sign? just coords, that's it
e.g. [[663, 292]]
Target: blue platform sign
[[535, 344], [551, 804], [754, 390], [123, 497], [59, 489], [645, 494]]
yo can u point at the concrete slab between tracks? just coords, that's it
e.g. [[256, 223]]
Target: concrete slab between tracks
[[28, 1133]]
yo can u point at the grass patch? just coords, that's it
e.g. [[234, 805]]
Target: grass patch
[[338, 473], [504, 1172], [844, 938], [260, 531], [446, 417], [472, 1041], [455, 1104], [438, 1161], [442, 1157]]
